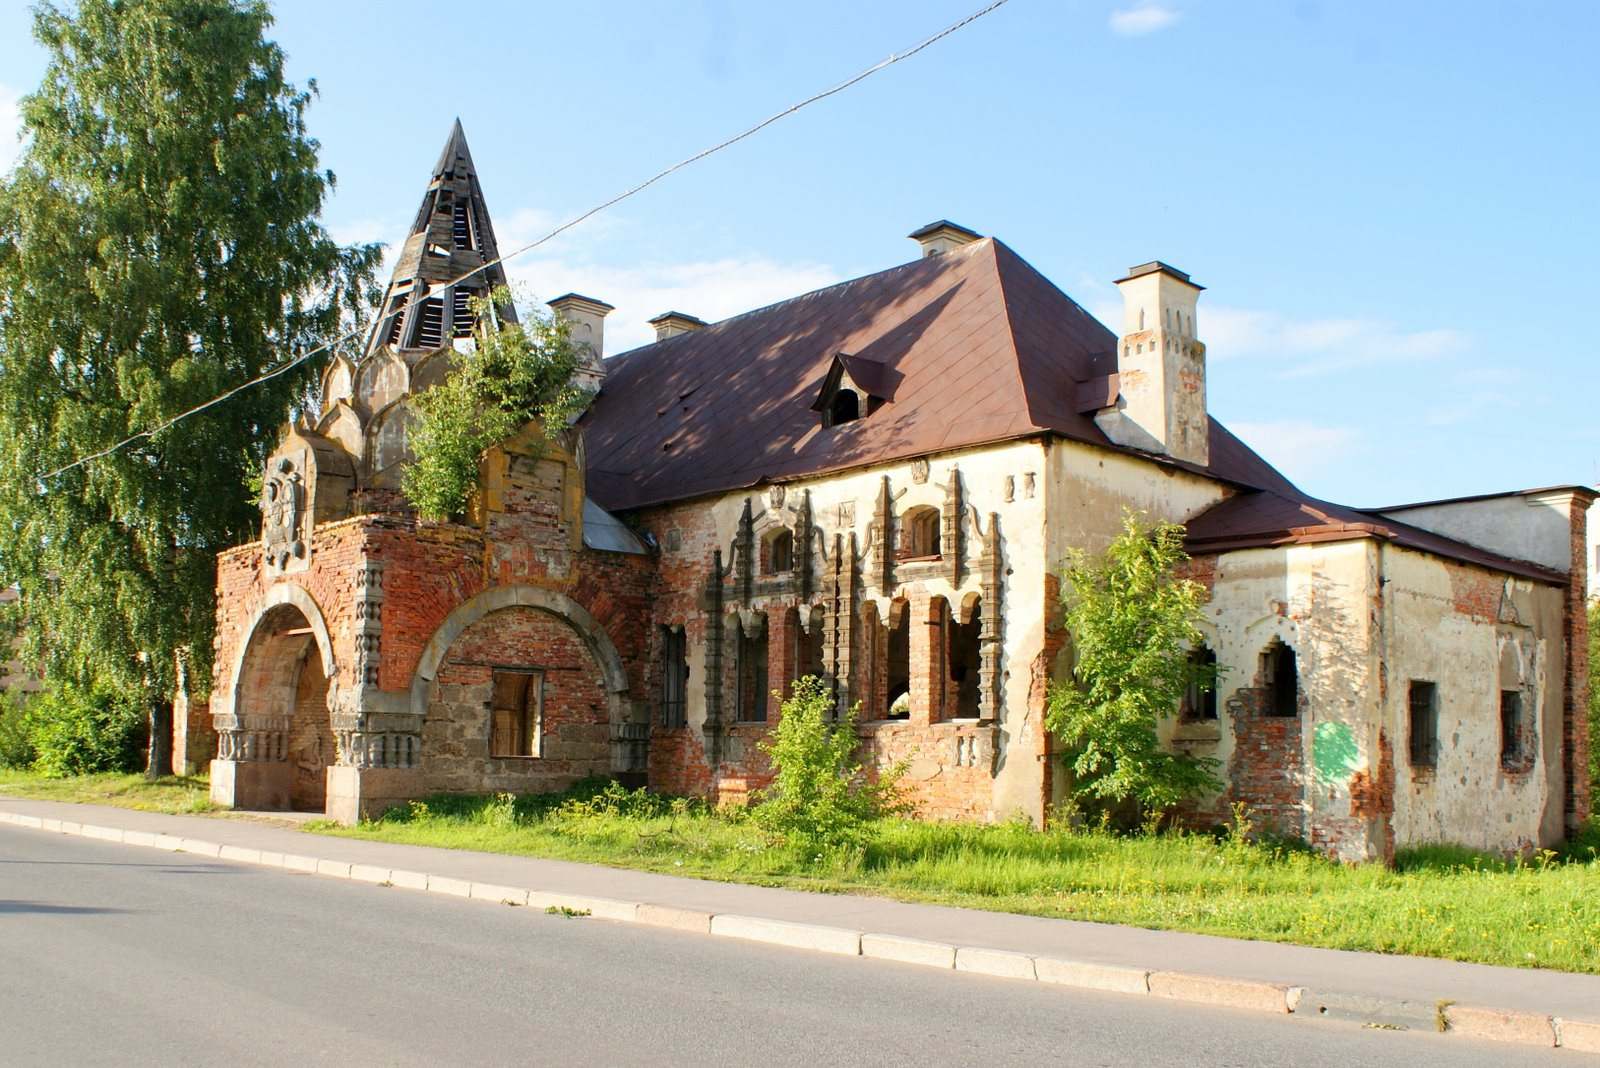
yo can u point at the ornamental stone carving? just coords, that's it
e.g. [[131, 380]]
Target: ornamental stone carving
[[283, 508]]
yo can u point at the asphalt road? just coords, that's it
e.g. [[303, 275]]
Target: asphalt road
[[116, 955]]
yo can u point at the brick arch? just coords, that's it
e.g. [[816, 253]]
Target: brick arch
[[519, 596], [284, 593]]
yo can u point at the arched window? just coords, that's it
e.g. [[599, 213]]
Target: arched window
[[779, 555], [750, 666], [919, 534]]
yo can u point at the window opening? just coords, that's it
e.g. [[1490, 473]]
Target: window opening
[[674, 676], [517, 714], [460, 226], [1283, 680], [399, 313], [780, 552], [1200, 703], [899, 662], [964, 660], [430, 331], [845, 407], [751, 666], [1423, 700], [461, 312], [920, 532], [1511, 727]]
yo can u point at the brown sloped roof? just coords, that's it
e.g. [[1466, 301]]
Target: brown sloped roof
[[973, 346], [1262, 518]]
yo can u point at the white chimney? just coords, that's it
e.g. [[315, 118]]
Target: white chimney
[[1161, 367], [942, 236], [671, 324], [588, 319]]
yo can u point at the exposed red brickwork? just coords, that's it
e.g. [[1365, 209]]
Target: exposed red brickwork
[[575, 730], [1475, 591], [1372, 797], [1267, 772]]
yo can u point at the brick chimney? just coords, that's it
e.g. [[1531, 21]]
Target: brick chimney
[[942, 236], [671, 324], [588, 319], [1161, 367]]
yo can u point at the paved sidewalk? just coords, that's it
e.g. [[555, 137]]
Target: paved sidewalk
[[1504, 1004]]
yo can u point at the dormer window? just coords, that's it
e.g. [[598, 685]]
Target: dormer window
[[845, 408], [854, 388]]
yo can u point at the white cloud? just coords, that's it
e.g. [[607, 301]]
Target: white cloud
[[709, 289], [10, 126], [1147, 18], [1317, 346], [1302, 450]]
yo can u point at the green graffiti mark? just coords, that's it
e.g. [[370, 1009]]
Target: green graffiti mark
[[1334, 756]]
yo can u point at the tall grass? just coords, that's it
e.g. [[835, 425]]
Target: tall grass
[[1437, 902]]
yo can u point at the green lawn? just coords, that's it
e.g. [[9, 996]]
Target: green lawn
[[187, 796], [1437, 903]]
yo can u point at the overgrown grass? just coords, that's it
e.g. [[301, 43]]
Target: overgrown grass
[[178, 795], [1438, 902]]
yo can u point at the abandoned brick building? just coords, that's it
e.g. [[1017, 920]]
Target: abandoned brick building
[[875, 483]]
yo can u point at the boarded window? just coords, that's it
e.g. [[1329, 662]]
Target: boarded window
[[1423, 704], [517, 714], [920, 534], [674, 676]]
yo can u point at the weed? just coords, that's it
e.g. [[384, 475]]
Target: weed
[[562, 910]]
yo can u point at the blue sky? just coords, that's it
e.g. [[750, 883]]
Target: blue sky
[[1392, 204]]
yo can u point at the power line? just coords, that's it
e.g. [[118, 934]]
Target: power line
[[563, 228]]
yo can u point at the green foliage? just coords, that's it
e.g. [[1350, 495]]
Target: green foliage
[[1133, 624], [821, 799], [513, 374], [16, 740], [76, 731], [159, 245], [1541, 913]]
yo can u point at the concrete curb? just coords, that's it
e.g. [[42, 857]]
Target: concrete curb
[[1421, 1013]]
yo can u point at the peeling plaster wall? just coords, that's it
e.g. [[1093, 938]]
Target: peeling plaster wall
[[1473, 633], [1316, 778]]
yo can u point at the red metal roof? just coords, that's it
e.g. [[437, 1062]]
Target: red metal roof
[[971, 346]]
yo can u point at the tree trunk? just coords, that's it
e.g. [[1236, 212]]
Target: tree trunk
[[159, 765]]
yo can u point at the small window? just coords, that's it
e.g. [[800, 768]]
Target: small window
[[1282, 676], [845, 407], [517, 714], [674, 676], [750, 664], [1423, 702], [1512, 727], [780, 552], [920, 534], [1200, 699]]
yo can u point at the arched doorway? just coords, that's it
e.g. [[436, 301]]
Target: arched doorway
[[281, 710]]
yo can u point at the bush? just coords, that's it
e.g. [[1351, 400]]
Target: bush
[[79, 732], [821, 800], [16, 742]]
